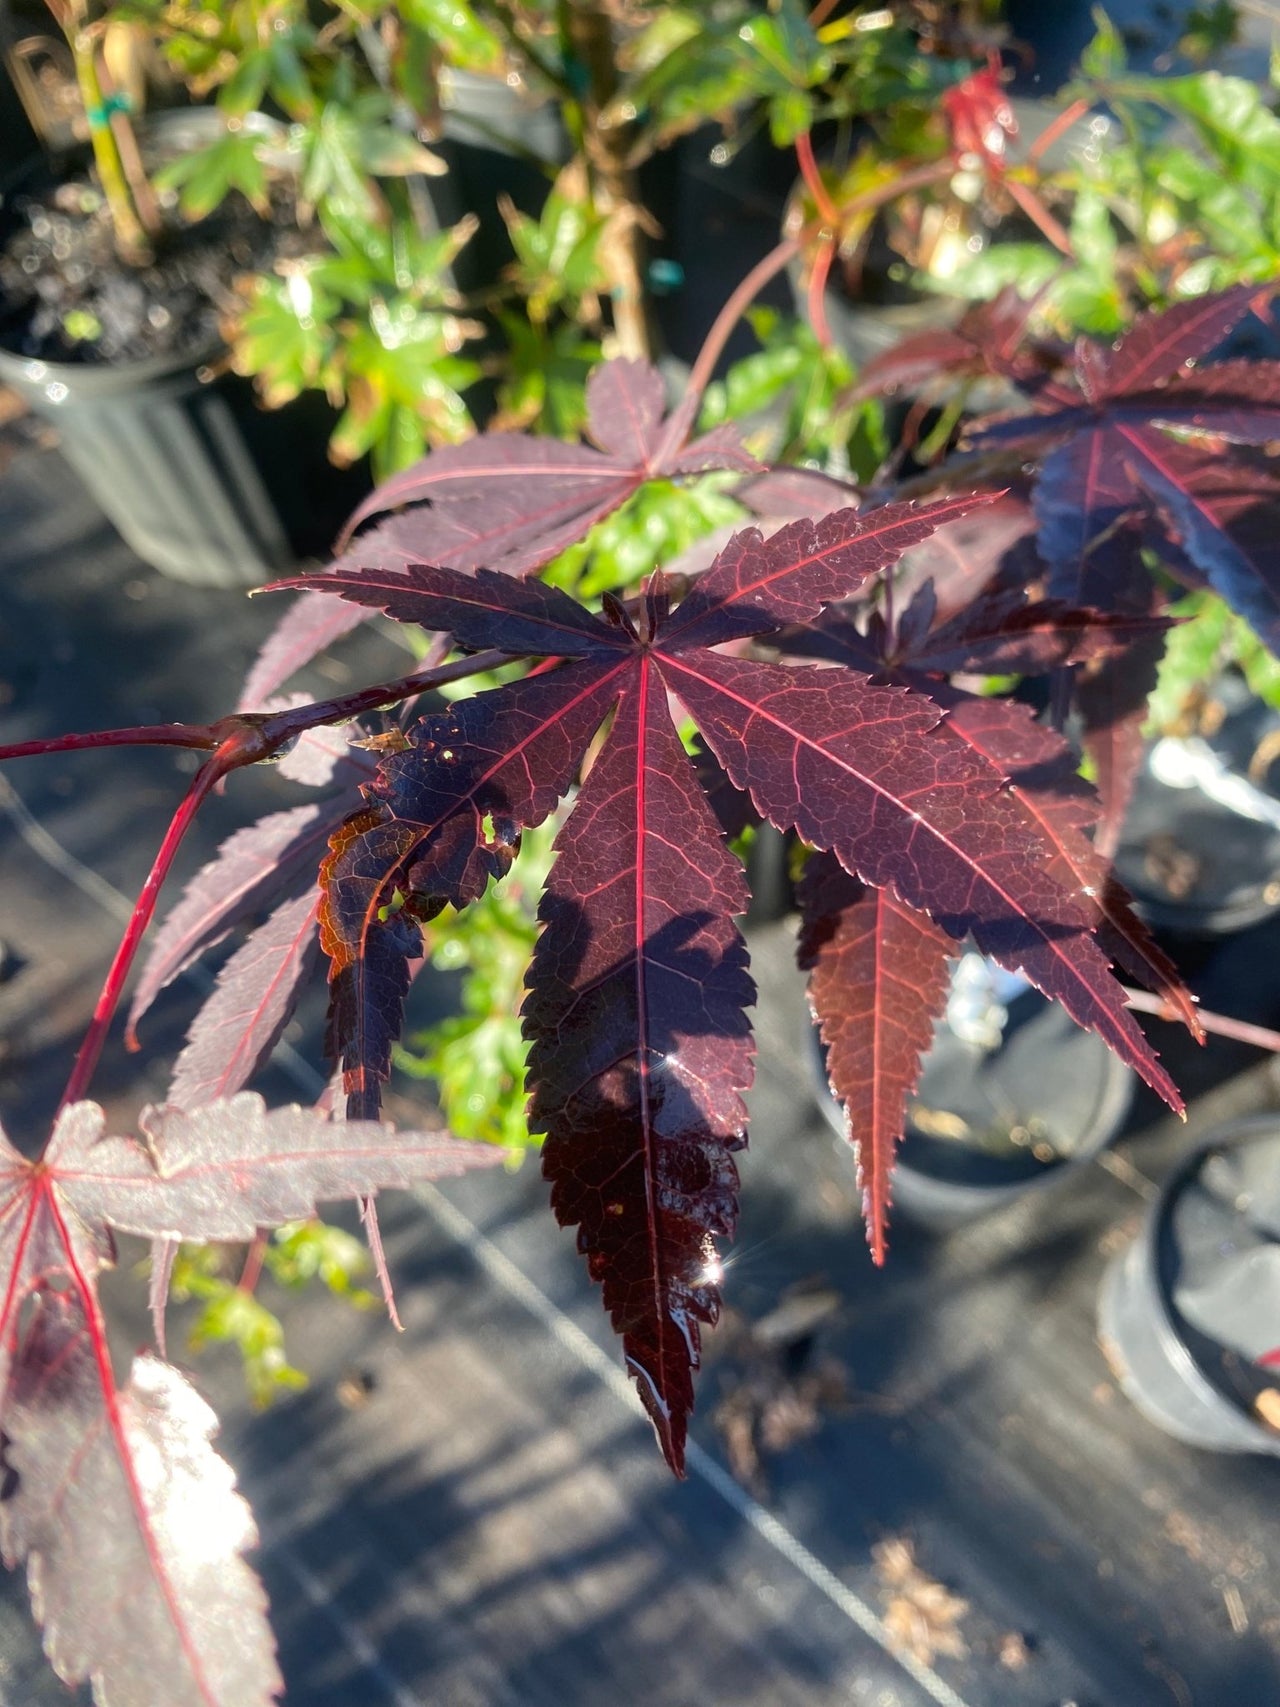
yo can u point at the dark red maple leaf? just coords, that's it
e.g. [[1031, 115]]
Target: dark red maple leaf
[[254, 997], [878, 977], [129, 1523], [989, 338], [510, 502], [1147, 433], [1036, 766], [639, 1049], [503, 501]]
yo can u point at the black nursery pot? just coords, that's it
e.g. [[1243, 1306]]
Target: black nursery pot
[[1188, 1311], [1013, 1097], [1200, 850]]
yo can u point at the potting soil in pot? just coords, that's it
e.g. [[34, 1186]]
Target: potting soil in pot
[[65, 296], [1011, 1086], [1220, 1261]]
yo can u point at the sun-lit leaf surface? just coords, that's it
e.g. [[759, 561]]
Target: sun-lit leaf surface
[[1029, 764], [256, 992], [480, 610], [1160, 345], [626, 401], [130, 1525], [853, 768], [869, 771], [878, 977], [757, 584], [1041, 769], [509, 502], [249, 873], [224, 1170]]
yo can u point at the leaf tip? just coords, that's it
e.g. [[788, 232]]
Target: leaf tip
[[670, 1422]]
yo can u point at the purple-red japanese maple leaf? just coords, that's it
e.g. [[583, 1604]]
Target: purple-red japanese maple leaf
[[503, 501], [1144, 431], [128, 1522], [266, 868], [877, 963], [989, 338], [640, 1047]]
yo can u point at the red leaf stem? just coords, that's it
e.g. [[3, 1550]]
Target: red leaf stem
[[145, 735], [1040, 217], [818, 294], [813, 180], [259, 734], [1220, 1025], [1058, 127], [277, 727], [682, 418], [254, 1257], [202, 784]]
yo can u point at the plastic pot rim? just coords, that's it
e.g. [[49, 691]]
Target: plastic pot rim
[[967, 1199], [85, 381], [1146, 1254]]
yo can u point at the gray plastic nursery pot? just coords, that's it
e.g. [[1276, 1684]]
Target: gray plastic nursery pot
[[1013, 1098], [159, 447], [1189, 1313]]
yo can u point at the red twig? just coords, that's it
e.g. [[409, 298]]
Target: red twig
[[818, 294], [252, 1270], [813, 180], [145, 735], [240, 740], [262, 733], [1039, 214], [1050, 134], [145, 906], [684, 415], [277, 727], [682, 418], [1221, 1025]]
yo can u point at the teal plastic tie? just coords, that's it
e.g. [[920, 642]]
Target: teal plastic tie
[[665, 276], [100, 117]]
